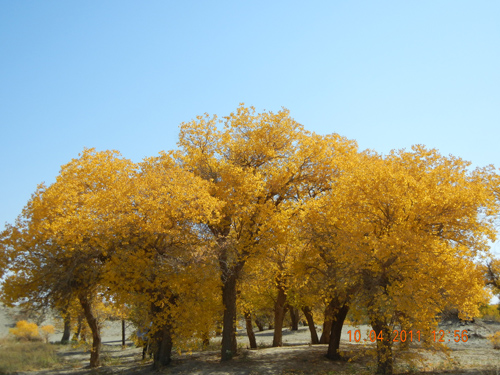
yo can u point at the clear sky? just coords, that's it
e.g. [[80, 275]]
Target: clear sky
[[124, 74]]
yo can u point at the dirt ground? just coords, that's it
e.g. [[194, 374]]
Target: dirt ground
[[297, 356]]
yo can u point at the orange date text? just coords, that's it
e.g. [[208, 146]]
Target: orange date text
[[405, 336]]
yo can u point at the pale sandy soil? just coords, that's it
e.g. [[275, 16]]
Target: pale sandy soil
[[476, 356]]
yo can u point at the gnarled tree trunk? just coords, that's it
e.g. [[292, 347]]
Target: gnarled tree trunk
[[338, 319], [327, 325], [250, 334], [67, 329], [310, 323], [94, 327], [279, 316], [162, 354], [229, 277]]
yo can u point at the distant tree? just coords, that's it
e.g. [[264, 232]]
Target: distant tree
[[492, 275]]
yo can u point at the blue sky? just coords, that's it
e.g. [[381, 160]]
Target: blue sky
[[124, 74]]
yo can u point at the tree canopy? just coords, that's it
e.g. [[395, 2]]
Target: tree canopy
[[254, 214]]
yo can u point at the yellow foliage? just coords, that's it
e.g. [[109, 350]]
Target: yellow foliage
[[47, 330], [495, 340], [25, 331], [490, 312], [254, 207], [405, 232]]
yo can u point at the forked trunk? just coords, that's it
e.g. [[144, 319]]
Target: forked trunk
[[94, 327], [310, 322], [336, 331], [250, 334]]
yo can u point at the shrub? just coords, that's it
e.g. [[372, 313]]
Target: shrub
[[490, 312], [26, 331], [495, 340], [47, 331]]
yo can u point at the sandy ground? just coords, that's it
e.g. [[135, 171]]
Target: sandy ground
[[476, 356]]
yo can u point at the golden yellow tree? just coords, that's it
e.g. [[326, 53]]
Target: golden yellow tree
[[60, 243], [255, 163], [161, 260], [256, 297], [329, 263], [420, 219], [277, 265], [264, 287]]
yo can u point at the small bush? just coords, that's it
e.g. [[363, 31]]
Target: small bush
[[495, 340], [490, 312], [47, 331], [26, 331]]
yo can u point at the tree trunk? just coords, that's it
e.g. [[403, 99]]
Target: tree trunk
[[162, 336], [310, 322], [94, 327], [259, 324], [205, 338], [218, 328], [229, 278], [279, 316], [336, 331], [162, 354], [76, 336], [123, 333], [405, 345], [250, 334], [67, 329], [384, 347], [327, 325], [295, 317]]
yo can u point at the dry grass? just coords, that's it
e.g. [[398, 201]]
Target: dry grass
[[25, 356]]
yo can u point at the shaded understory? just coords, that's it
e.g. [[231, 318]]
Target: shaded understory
[[287, 360]]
